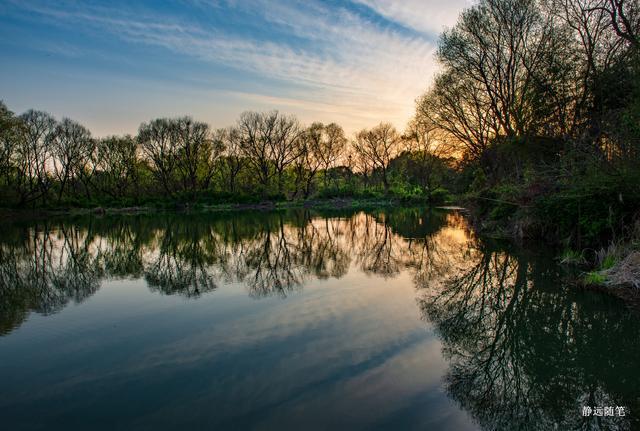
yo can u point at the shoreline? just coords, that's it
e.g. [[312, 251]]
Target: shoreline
[[627, 294], [11, 214]]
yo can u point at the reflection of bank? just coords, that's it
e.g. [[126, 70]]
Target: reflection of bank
[[45, 265], [526, 353]]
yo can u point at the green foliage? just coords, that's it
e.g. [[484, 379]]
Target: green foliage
[[550, 144], [478, 181], [590, 208], [608, 262], [594, 278], [440, 196], [179, 162]]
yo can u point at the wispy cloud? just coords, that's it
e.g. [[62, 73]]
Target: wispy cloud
[[426, 16], [332, 64]]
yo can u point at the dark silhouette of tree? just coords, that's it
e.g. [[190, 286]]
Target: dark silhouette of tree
[[233, 159], [117, 166], [269, 143], [72, 148], [11, 133], [33, 155], [524, 353]]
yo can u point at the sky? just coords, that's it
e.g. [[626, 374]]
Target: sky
[[113, 64]]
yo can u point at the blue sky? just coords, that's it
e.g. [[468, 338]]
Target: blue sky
[[112, 65]]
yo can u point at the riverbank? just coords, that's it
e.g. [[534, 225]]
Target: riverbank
[[591, 219], [318, 204], [615, 270]]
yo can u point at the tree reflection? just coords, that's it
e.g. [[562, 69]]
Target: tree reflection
[[272, 262], [44, 266], [45, 269], [524, 352], [183, 262]]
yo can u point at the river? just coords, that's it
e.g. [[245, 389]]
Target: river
[[384, 319]]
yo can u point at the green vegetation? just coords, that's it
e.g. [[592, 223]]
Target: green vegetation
[[179, 162], [541, 100], [594, 278]]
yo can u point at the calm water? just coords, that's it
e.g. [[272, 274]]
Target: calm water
[[399, 319]]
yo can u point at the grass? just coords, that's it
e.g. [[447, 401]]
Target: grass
[[572, 257], [594, 278], [618, 264], [608, 262]]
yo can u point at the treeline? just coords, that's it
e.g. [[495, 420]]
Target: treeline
[[541, 100], [264, 156]]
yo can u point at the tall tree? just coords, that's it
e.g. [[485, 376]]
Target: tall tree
[[378, 147], [117, 159], [269, 143], [283, 142], [33, 157], [254, 140], [233, 160], [156, 140], [307, 164], [331, 148], [72, 148], [501, 47], [11, 133], [197, 153]]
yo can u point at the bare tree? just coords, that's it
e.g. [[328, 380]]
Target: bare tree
[[625, 19], [33, 156], [11, 133], [117, 159], [378, 147], [233, 160], [181, 152], [332, 148], [459, 109], [269, 142], [501, 47], [426, 151], [283, 143], [72, 148], [590, 47], [307, 164], [157, 145], [321, 146], [197, 153], [254, 137]]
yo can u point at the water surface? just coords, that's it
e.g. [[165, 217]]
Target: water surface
[[399, 319]]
